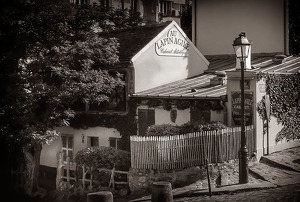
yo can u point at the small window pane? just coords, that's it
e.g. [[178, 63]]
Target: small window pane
[[70, 154], [94, 141], [64, 155], [70, 142], [64, 141], [112, 142]]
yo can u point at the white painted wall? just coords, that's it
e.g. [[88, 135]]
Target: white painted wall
[[217, 115], [163, 116], [49, 152], [183, 116], [152, 70], [217, 23], [262, 142]]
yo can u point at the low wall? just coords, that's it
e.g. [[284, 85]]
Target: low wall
[[140, 181]]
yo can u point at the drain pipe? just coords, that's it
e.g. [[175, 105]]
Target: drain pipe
[[225, 111]]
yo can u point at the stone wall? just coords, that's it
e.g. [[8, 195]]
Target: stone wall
[[140, 181]]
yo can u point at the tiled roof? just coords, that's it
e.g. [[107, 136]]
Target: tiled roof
[[291, 65], [199, 87], [132, 40], [195, 87]]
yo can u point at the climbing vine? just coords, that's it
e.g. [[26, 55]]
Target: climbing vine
[[284, 92], [167, 104], [125, 122]]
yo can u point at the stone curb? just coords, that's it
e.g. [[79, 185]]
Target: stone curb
[[216, 191], [228, 189]]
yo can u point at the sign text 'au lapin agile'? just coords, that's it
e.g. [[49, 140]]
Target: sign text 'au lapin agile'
[[174, 44]]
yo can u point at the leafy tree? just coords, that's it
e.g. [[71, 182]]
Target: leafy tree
[[54, 58], [186, 19], [294, 26]]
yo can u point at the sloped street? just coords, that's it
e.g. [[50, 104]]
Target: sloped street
[[285, 193], [275, 178]]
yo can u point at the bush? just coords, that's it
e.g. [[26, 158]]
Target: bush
[[103, 157], [162, 130], [200, 126], [190, 127]]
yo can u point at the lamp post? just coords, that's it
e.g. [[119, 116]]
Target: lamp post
[[241, 47]]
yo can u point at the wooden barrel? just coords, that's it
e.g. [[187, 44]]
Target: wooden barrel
[[162, 192], [101, 196]]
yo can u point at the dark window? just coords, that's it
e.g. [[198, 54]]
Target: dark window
[[67, 146], [93, 141], [202, 115], [114, 142], [146, 118]]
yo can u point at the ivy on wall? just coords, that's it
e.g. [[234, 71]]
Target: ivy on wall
[[168, 104], [284, 92], [126, 123]]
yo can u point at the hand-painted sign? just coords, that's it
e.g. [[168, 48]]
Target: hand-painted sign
[[237, 108], [174, 44]]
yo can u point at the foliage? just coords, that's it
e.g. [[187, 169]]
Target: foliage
[[103, 157], [60, 60], [284, 92], [190, 127], [186, 20], [52, 58], [162, 130], [124, 123], [167, 104], [294, 26]]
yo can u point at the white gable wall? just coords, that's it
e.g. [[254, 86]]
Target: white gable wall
[[50, 152], [152, 69]]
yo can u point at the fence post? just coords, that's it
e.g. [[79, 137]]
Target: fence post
[[59, 169], [162, 192], [208, 178], [112, 179], [102, 196]]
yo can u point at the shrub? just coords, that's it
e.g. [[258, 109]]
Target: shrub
[[214, 126], [162, 130], [190, 127], [103, 157]]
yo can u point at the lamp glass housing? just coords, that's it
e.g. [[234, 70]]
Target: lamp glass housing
[[241, 46]]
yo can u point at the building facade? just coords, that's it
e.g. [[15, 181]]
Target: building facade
[[151, 10]]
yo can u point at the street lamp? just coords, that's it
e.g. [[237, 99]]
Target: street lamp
[[241, 48]]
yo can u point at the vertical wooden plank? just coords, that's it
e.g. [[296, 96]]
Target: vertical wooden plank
[[165, 153], [209, 146], [181, 142], [138, 152], [202, 148], [176, 151], [133, 152], [152, 147], [189, 149]]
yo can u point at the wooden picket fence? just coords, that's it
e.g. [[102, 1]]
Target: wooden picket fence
[[187, 150], [65, 169]]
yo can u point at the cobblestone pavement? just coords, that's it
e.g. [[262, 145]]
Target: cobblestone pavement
[[285, 193]]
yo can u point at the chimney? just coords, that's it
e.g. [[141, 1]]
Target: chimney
[[279, 59], [220, 79]]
